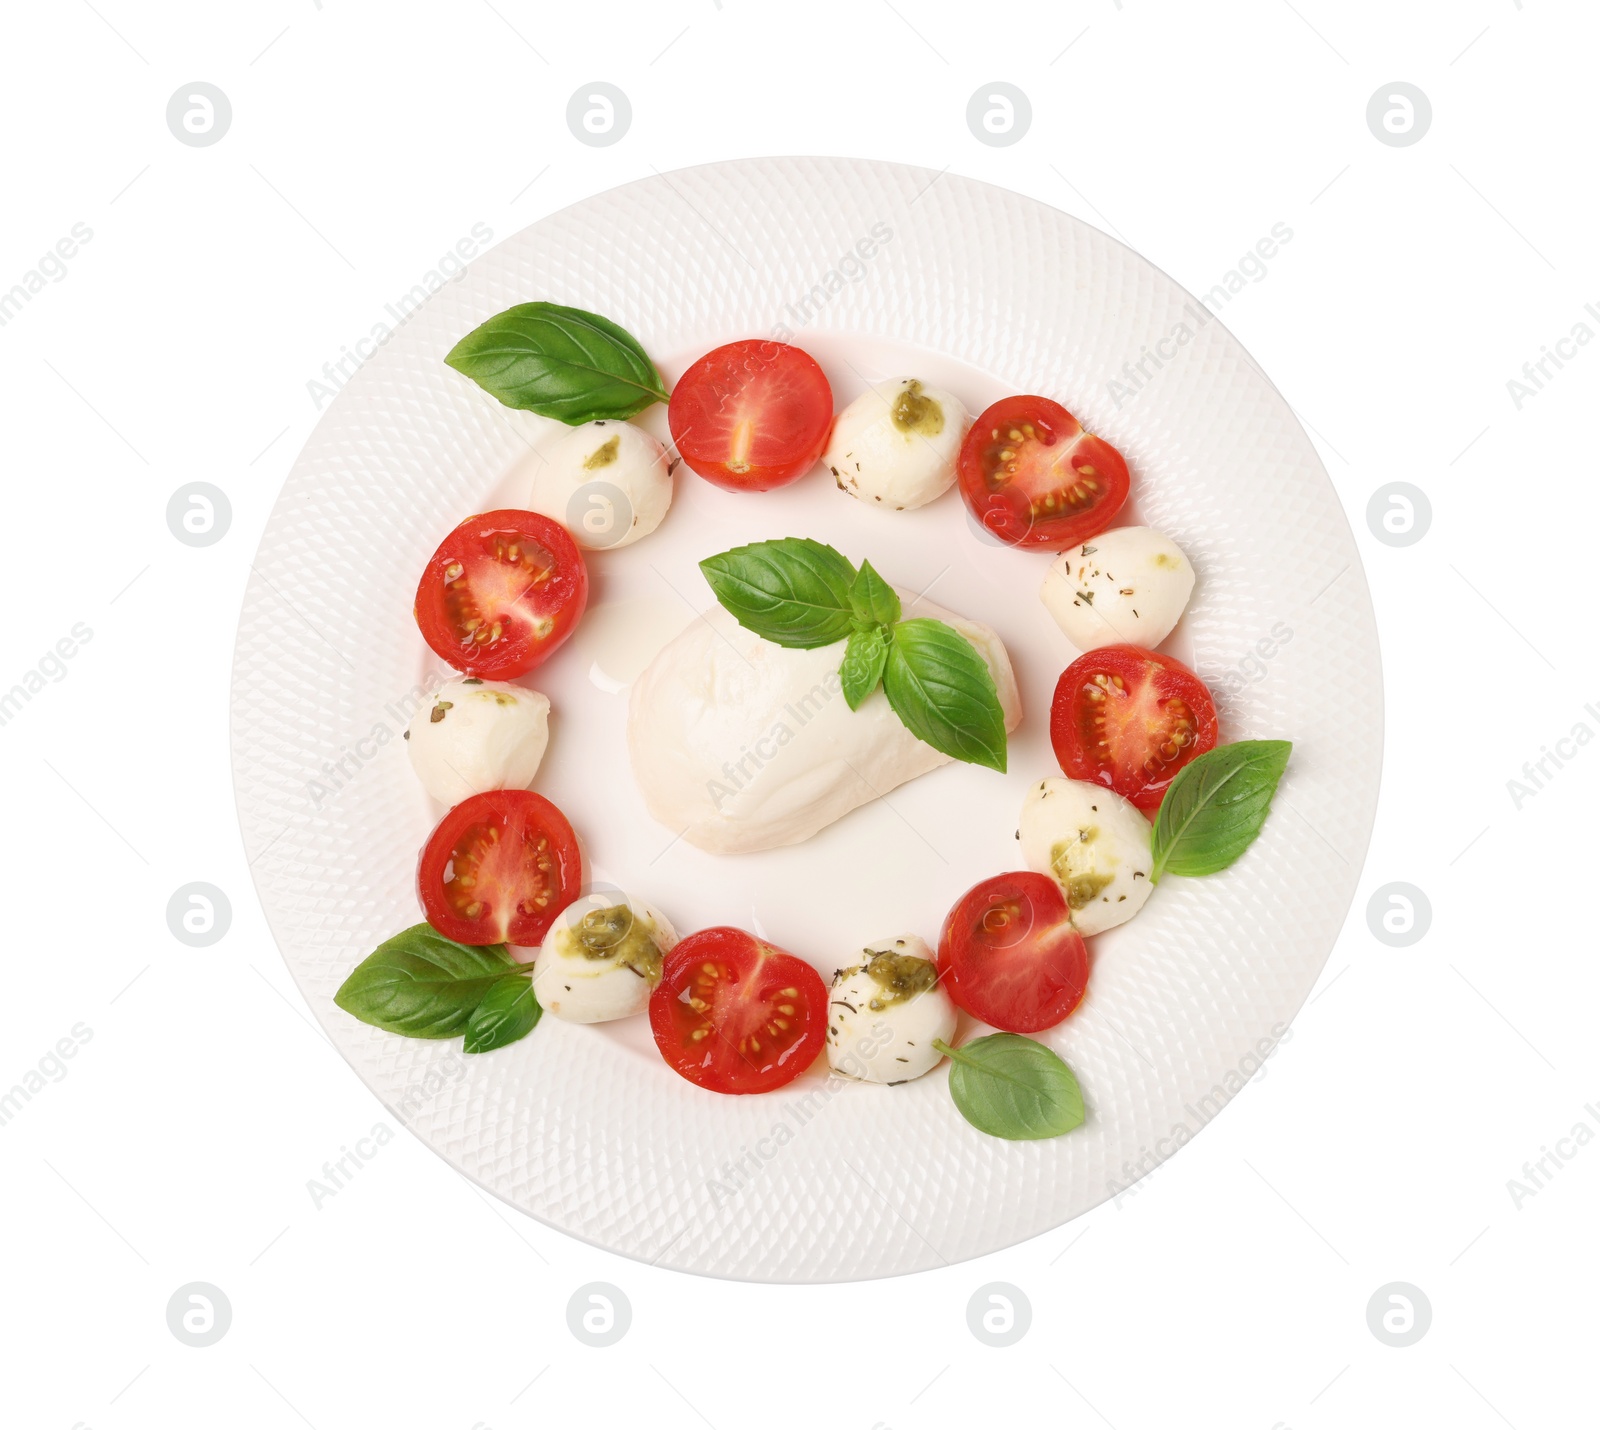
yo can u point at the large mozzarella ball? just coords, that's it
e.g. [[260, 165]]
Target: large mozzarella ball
[[607, 482], [895, 446], [885, 1011], [1123, 587], [478, 735], [1094, 843], [601, 958]]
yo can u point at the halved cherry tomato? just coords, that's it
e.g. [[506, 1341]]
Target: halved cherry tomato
[[1130, 719], [501, 593], [1010, 955], [752, 415], [733, 1014], [499, 868], [1035, 478]]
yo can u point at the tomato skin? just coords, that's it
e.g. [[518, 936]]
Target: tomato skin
[[734, 1043], [752, 415], [1049, 487], [1130, 719], [535, 596], [495, 840], [1009, 954]]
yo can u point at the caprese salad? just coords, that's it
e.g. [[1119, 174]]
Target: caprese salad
[[512, 932]]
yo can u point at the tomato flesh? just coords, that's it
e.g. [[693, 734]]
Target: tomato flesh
[[501, 593], [1034, 478], [752, 415], [1130, 719], [498, 868], [734, 1014], [1009, 954]]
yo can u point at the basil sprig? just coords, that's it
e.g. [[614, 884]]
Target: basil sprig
[[421, 984], [802, 594], [559, 362], [1215, 807], [1013, 1087]]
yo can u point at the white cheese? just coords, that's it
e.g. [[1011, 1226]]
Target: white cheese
[[895, 446], [879, 1032], [1123, 587], [601, 958], [742, 745], [607, 482], [1094, 843], [478, 735]]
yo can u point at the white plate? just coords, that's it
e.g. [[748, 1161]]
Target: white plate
[[986, 292]]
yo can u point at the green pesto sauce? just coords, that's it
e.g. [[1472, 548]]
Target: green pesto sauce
[[1083, 886], [614, 935], [901, 976], [914, 413], [603, 455]]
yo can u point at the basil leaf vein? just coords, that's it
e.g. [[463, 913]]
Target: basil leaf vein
[[1215, 807], [943, 692], [864, 659], [509, 1011], [794, 592], [1013, 1087], [423, 985], [560, 362]]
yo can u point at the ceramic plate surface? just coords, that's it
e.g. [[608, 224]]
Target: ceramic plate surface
[[880, 271]]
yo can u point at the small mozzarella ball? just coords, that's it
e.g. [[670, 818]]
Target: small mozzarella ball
[[607, 482], [1123, 587], [601, 958], [895, 445], [1094, 843], [885, 1012], [478, 735]]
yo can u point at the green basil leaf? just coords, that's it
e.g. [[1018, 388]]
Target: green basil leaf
[[864, 660], [942, 690], [559, 362], [1215, 807], [873, 599], [508, 1012], [422, 984], [1013, 1087], [794, 592]]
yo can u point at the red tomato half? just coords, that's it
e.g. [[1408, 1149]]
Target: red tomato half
[[1034, 477], [1130, 719], [499, 868], [1010, 955], [734, 1014], [501, 593], [752, 415]]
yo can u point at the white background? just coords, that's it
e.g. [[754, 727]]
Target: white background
[[1231, 1289]]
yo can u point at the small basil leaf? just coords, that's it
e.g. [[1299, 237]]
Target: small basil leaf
[[1215, 807], [508, 1012], [942, 690], [873, 599], [422, 984], [794, 592], [864, 659], [559, 362], [1013, 1087]]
